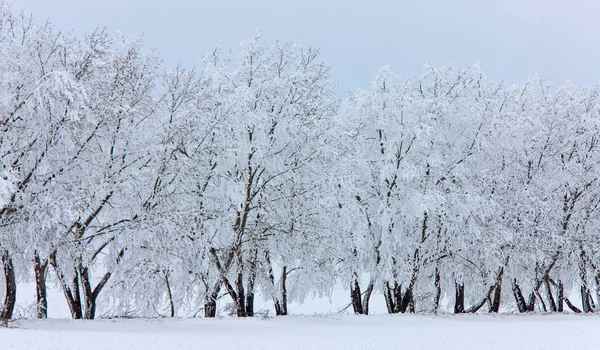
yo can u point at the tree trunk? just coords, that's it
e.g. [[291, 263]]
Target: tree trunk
[[585, 299], [250, 289], [70, 291], [496, 300], [90, 308], [597, 278], [40, 270], [397, 296], [88, 297], [277, 307], [367, 298], [541, 300], [531, 302], [389, 299], [355, 295], [271, 275], [406, 300], [240, 303], [284, 303], [561, 297], [585, 294], [551, 302], [519, 299], [10, 297], [572, 307], [250, 300], [210, 301], [74, 298], [459, 298], [438, 291], [169, 293]]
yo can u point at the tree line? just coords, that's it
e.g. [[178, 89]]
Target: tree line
[[145, 191]]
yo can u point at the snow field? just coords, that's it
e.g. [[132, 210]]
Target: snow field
[[311, 332]]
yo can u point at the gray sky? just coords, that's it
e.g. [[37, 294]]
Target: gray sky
[[511, 38]]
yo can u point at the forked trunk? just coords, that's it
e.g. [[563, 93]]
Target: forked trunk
[[74, 299], [70, 288]]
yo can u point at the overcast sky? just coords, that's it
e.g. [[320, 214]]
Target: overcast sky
[[512, 39]]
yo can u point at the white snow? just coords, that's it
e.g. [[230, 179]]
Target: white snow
[[311, 332]]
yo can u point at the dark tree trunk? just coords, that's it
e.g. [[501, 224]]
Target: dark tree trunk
[[459, 298], [389, 299], [277, 306], [90, 308], [250, 303], [40, 270], [572, 307], [10, 297], [496, 300], [250, 289], [597, 279], [396, 301], [551, 302], [241, 296], [591, 299], [411, 305], [438, 291], [518, 297], [70, 290], [73, 297], [75, 300], [407, 300], [284, 303], [355, 295], [585, 294], [531, 302], [539, 297], [367, 298], [585, 299], [169, 294], [271, 275], [88, 297], [397, 297], [561, 297], [210, 301]]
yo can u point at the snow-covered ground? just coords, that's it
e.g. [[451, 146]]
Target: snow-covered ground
[[312, 332]]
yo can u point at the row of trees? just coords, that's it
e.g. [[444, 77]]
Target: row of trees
[[141, 190]]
